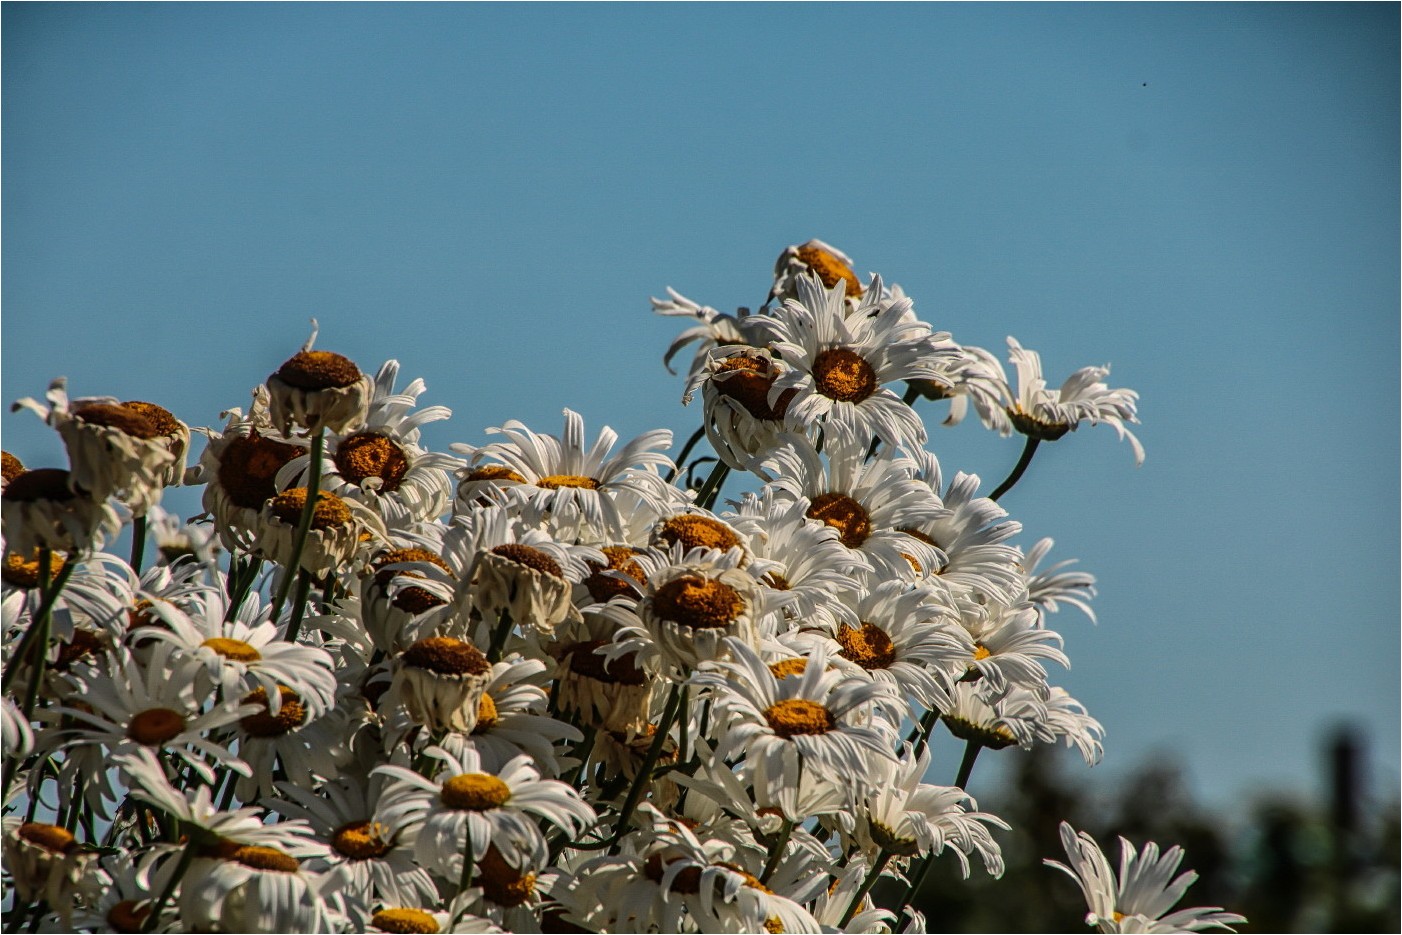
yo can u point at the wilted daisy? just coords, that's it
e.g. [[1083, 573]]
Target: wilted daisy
[[1046, 415], [45, 862], [691, 609], [716, 329], [440, 681], [743, 413], [332, 539], [41, 510], [316, 390], [510, 720], [1145, 889], [407, 594]]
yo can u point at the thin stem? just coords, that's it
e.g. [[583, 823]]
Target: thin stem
[[912, 393], [138, 543], [242, 575], [187, 855], [914, 887], [299, 605], [867, 884], [304, 524], [777, 851], [503, 630], [48, 595], [966, 766], [635, 791], [466, 879], [683, 752], [711, 489], [1027, 452], [686, 450]]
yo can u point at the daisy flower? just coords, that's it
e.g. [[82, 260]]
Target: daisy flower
[[316, 390], [40, 509], [510, 721], [1145, 889], [693, 609], [828, 264], [716, 329], [742, 413], [466, 805], [1046, 415], [1009, 644]]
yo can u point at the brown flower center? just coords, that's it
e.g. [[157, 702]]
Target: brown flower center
[[39, 484], [330, 510], [794, 716], [291, 713], [530, 557], [237, 650], [409, 921], [777, 581], [787, 667], [603, 588], [1033, 427], [318, 370], [556, 481], [693, 531], [248, 467], [699, 603], [128, 917], [165, 422], [843, 375], [502, 883], [830, 269], [443, 655], [847, 516], [10, 466], [24, 572], [362, 840], [155, 726], [622, 671], [870, 647], [255, 856], [116, 416], [51, 838], [748, 380], [493, 472], [687, 881], [83, 644], [413, 600], [368, 454], [474, 792]]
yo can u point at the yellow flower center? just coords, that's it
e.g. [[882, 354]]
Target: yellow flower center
[[362, 840], [257, 857], [51, 838], [474, 792], [248, 468], [604, 588], [981, 652], [119, 417], [794, 716], [443, 655], [556, 481], [787, 667], [486, 714], [155, 726], [843, 375], [695, 531], [774, 925], [847, 516], [127, 917], [330, 510], [24, 572], [502, 883], [318, 370], [237, 650], [405, 920], [291, 713], [369, 454], [530, 557], [699, 603], [493, 472], [830, 269], [870, 647], [10, 466]]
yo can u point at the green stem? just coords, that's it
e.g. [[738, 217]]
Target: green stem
[[241, 578], [867, 884], [686, 450], [640, 781], [299, 605], [777, 851], [138, 543], [711, 489], [304, 524], [927, 724], [186, 856], [499, 636], [914, 886], [1027, 452], [48, 596], [466, 879], [966, 767]]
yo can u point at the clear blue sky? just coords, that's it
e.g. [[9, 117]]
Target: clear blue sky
[[1205, 196]]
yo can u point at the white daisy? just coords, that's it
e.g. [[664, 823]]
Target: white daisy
[[316, 390], [716, 329], [1049, 587], [814, 258], [40, 509], [743, 414]]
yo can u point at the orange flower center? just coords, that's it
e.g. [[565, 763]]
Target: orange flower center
[[24, 572], [51, 838], [248, 467], [748, 380], [795, 716], [474, 792], [693, 531], [362, 840], [291, 713], [870, 647], [622, 671], [699, 603], [486, 714], [369, 454], [127, 917], [502, 883], [119, 417], [830, 269], [155, 726], [237, 650], [530, 557], [556, 481], [409, 921], [330, 510], [443, 655], [604, 588]]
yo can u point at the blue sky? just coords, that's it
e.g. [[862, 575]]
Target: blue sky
[[1204, 196]]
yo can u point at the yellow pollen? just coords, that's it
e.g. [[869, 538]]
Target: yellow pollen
[[160, 417], [795, 716], [414, 921], [237, 650], [847, 516], [532, 558], [1119, 917], [12, 467], [787, 667], [620, 558], [870, 647], [486, 714], [318, 370], [155, 726], [330, 510], [51, 838], [127, 917], [843, 375], [493, 472], [695, 531], [39, 484], [556, 481], [362, 840], [830, 269], [119, 417], [774, 925], [248, 467], [262, 858], [501, 883], [368, 454], [474, 792], [291, 713], [981, 652], [699, 603], [24, 572], [443, 655]]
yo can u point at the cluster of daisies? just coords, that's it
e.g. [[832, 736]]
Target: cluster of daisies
[[546, 683]]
